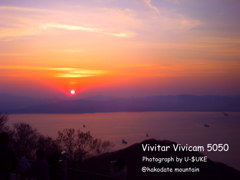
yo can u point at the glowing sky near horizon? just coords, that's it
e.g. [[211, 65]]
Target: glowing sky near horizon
[[119, 47]]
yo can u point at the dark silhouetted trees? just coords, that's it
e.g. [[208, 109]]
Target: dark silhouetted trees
[[79, 145], [25, 139], [3, 120]]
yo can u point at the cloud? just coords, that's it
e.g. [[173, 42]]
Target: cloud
[[168, 22], [24, 9], [120, 34], [149, 4], [167, 19], [22, 22], [78, 73], [72, 27], [58, 72], [85, 29], [112, 22]]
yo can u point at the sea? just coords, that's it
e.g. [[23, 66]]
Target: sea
[[192, 128]]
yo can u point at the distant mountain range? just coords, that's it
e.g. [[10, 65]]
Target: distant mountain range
[[15, 104]]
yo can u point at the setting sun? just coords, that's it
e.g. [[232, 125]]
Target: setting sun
[[72, 92]]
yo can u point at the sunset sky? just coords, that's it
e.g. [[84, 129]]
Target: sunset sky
[[119, 47]]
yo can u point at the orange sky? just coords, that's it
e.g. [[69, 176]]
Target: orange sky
[[119, 48]]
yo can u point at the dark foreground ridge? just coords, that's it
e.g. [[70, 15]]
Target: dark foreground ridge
[[133, 160]]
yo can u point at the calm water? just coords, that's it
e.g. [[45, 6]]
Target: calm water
[[181, 127]]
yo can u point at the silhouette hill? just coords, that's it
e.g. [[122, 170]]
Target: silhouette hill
[[133, 157]]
